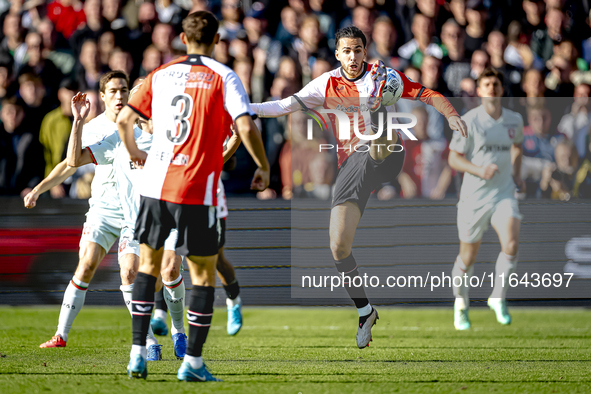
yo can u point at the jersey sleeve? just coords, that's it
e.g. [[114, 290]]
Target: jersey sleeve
[[103, 152], [141, 102], [460, 144], [415, 91], [312, 95], [236, 100]]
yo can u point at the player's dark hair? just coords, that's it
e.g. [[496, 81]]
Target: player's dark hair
[[105, 78], [490, 72], [200, 27], [349, 32]]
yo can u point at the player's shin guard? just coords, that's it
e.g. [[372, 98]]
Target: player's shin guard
[[348, 267], [505, 266], [461, 292], [142, 305], [199, 316], [174, 294], [73, 301]]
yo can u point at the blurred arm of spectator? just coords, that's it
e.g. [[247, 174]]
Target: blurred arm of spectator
[[443, 183], [408, 186], [56, 127], [562, 175], [578, 116]]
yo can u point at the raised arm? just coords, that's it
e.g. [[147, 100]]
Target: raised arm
[[57, 176], [77, 156]]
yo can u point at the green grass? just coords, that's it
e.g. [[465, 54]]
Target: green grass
[[310, 350]]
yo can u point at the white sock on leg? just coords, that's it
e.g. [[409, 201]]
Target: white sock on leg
[[137, 349], [160, 314], [194, 362], [366, 310], [174, 295], [461, 292], [505, 266], [73, 301], [234, 302]]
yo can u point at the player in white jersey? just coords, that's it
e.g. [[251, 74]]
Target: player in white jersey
[[490, 159], [105, 216], [110, 152]]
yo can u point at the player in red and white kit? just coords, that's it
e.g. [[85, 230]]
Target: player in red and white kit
[[192, 102], [347, 89]]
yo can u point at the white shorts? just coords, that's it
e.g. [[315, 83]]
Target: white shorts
[[473, 223], [104, 230], [170, 242]]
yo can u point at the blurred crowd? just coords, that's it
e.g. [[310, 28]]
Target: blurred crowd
[[51, 49]]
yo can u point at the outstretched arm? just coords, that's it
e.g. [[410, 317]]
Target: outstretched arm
[[232, 146], [57, 176]]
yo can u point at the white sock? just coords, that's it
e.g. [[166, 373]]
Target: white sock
[[234, 302], [194, 362], [461, 292], [174, 295], [160, 314], [505, 266], [137, 349], [74, 297], [127, 291], [366, 310]]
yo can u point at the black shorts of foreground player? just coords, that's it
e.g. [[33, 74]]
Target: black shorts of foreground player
[[190, 120], [353, 86]]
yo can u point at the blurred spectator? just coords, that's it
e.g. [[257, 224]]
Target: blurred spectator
[[458, 11], [582, 187], [13, 44], [558, 179], [543, 40], [538, 147], [231, 22], [383, 43], [243, 68], [152, 59], [38, 65], [320, 67], [468, 94], [21, 154], [89, 70], [456, 66], [240, 48], [97, 106], [142, 35], [288, 69], [115, 21], [579, 116], [533, 20], [288, 28], [221, 53], [425, 172], [421, 45], [162, 38], [310, 46], [55, 131], [327, 22], [431, 75], [413, 73], [363, 18], [558, 82], [66, 16], [476, 14], [518, 54], [106, 46], [91, 30], [62, 58], [36, 105], [121, 60], [169, 12], [6, 79], [255, 26], [478, 63]]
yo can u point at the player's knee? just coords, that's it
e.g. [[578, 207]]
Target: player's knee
[[511, 248], [170, 272], [128, 274], [339, 250]]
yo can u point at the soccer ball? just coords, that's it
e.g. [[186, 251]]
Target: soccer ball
[[393, 89]]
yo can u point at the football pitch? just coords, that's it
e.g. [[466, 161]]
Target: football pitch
[[310, 350]]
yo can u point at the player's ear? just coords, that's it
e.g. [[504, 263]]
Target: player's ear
[[183, 38], [216, 39]]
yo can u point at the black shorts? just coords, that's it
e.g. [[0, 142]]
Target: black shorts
[[196, 224], [222, 238], [359, 175]]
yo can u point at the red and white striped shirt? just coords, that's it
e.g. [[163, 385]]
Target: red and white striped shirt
[[192, 101]]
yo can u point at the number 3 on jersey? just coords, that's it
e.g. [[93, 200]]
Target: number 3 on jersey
[[182, 106]]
